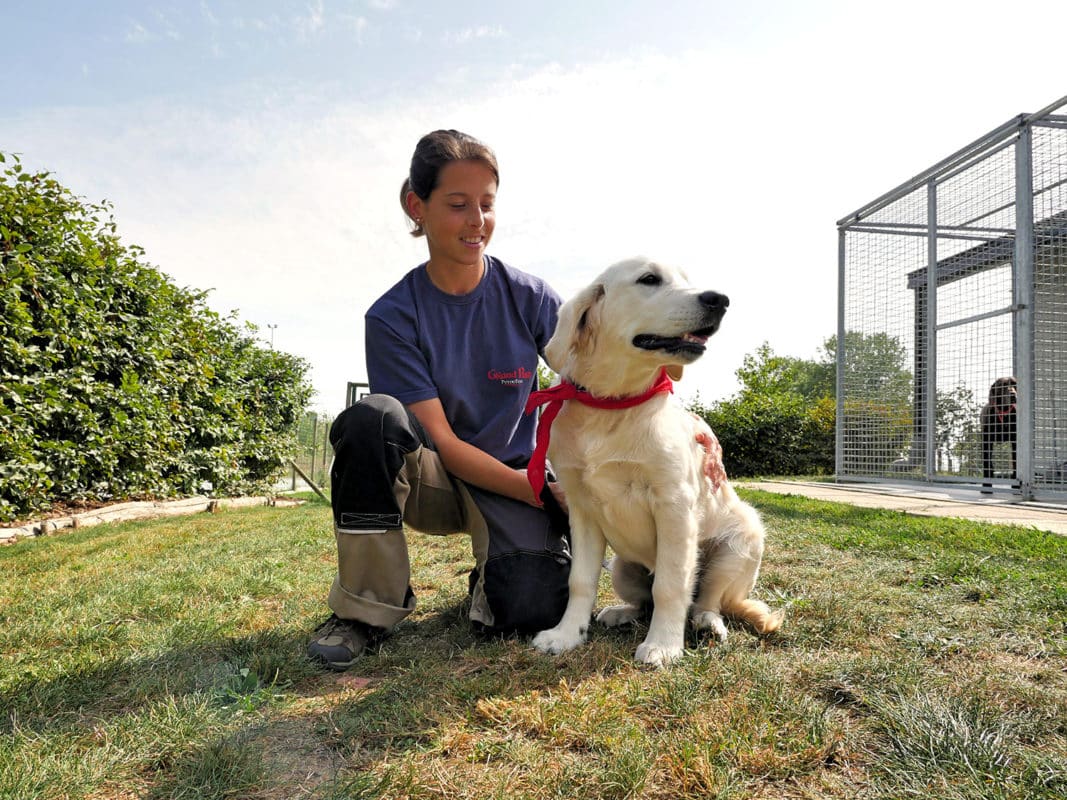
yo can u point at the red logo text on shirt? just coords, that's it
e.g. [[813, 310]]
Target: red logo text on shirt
[[512, 377]]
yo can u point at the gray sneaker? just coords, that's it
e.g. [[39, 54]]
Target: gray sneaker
[[339, 642]]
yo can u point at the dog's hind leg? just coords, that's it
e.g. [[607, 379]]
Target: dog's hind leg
[[633, 584], [721, 571], [728, 577]]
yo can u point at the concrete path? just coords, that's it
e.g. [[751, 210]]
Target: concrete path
[[920, 501]]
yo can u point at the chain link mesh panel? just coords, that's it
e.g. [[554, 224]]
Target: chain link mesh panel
[[1050, 306], [931, 318]]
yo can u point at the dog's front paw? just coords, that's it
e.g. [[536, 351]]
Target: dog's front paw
[[711, 622], [558, 640], [658, 655], [613, 616]]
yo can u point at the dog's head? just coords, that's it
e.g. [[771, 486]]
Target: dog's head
[[635, 318], [1003, 392]]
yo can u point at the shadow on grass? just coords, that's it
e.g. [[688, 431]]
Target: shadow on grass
[[230, 716], [223, 669], [433, 671]]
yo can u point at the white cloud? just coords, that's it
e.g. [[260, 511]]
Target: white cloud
[[208, 14], [312, 22], [170, 30], [136, 33], [467, 35], [354, 23], [733, 164]]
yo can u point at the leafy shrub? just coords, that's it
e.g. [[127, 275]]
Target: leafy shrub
[[782, 421], [773, 434], [114, 382]]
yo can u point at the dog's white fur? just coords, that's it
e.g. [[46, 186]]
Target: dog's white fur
[[634, 478]]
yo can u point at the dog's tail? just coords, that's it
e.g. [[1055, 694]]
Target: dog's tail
[[756, 613]]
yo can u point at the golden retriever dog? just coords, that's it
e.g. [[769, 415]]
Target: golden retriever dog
[[636, 477]]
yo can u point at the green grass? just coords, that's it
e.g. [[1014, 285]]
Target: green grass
[[165, 659]]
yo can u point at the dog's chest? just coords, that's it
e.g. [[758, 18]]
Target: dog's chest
[[621, 474]]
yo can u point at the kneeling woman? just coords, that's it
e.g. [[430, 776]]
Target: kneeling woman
[[442, 444]]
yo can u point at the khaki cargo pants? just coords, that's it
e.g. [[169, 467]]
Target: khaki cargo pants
[[386, 476]]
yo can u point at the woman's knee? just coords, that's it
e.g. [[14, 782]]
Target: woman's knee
[[377, 417], [372, 441]]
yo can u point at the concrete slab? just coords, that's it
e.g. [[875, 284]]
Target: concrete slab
[[964, 504]]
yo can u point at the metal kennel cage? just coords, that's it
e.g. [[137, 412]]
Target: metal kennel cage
[[953, 280]]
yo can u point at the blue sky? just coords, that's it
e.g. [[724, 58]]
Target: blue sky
[[256, 148]]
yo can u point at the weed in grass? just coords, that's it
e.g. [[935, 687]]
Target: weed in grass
[[237, 688], [222, 769], [357, 785], [936, 742]]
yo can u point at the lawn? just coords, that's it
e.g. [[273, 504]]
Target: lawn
[[165, 659]]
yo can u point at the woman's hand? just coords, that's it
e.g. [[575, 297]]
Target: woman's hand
[[713, 466], [529, 497]]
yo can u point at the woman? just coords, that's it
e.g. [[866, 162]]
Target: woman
[[442, 443]]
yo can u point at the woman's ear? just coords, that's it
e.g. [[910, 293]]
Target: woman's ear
[[575, 334], [414, 205]]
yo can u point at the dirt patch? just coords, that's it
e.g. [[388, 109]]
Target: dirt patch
[[300, 761]]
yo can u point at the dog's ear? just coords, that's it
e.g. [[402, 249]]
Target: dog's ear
[[993, 392], [579, 319]]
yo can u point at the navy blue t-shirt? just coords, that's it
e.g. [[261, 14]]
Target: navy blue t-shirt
[[476, 352]]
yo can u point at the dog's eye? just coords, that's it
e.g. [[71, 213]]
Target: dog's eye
[[650, 279]]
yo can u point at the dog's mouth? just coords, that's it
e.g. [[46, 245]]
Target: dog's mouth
[[693, 343]]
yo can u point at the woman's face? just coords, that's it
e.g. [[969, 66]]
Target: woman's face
[[458, 216]]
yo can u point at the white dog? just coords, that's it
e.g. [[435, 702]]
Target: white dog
[[634, 473]]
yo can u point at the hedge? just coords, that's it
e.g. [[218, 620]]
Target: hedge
[[115, 383], [773, 434]]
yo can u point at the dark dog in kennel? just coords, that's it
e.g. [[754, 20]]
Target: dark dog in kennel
[[998, 425]]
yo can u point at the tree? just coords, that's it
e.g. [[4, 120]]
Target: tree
[[957, 442], [878, 425], [875, 369], [765, 372]]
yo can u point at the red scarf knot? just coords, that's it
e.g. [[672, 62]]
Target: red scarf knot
[[1002, 415], [554, 396]]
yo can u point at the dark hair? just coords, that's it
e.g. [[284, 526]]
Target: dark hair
[[433, 152]]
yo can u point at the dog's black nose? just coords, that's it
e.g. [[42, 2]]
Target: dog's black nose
[[714, 300]]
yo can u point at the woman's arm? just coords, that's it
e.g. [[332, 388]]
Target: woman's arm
[[466, 461]]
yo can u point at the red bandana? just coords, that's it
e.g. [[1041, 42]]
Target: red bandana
[[554, 396], [1002, 415]]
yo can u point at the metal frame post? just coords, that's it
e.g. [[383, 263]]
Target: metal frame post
[[839, 422], [1023, 290], [931, 330]]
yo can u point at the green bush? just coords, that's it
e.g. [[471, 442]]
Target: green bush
[[773, 434], [782, 420], [114, 382]]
